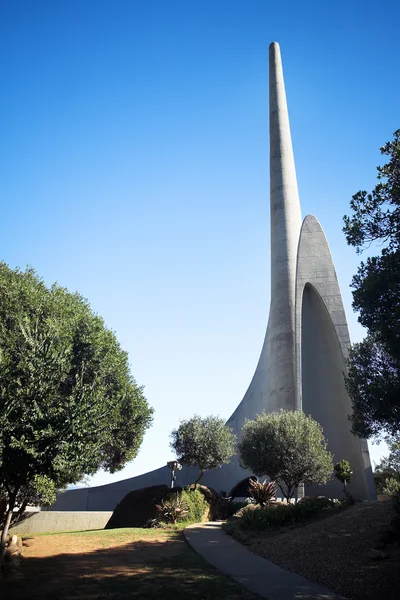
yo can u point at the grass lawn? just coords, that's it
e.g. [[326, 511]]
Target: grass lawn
[[116, 564]]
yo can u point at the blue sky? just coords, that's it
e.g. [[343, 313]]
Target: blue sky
[[134, 169]]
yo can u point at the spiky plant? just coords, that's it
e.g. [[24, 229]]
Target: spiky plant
[[262, 492]]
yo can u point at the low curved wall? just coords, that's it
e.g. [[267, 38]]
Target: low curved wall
[[49, 521]]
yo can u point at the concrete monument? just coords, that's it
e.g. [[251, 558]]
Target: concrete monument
[[302, 361]]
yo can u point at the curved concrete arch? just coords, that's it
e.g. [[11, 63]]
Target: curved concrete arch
[[322, 341]]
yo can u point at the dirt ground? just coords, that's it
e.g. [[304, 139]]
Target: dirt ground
[[334, 552], [116, 565]]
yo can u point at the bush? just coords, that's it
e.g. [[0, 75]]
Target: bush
[[277, 514], [391, 487], [262, 492], [232, 507], [172, 509], [274, 515], [197, 504], [311, 505], [245, 508]]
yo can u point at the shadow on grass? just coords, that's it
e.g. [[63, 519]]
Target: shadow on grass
[[141, 570]]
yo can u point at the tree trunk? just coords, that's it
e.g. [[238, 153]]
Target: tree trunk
[[4, 533], [199, 477]]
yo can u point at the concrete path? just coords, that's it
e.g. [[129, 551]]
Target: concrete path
[[257, 574]]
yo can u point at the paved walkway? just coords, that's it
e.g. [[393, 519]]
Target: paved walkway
[[257, 574]]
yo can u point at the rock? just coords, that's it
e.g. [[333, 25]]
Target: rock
[[11, 552], [12, 549], [14, 540], [376, 554]]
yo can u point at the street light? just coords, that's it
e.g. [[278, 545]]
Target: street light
[[174, 466]]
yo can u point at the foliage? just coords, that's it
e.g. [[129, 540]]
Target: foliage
[[233, 507], [68, 403], [391, 487], [205, 443], [172, 509], [279, 514], [343, 471], [270, 516], [288, 447], [187, 505], [373, 383], [388, 467], [198, 505], [263, 492], [311, 505], [373, 378]]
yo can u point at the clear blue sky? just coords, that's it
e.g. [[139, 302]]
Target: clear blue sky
[[134, 168]]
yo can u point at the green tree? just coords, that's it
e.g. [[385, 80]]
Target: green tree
[[203, 443], [68, 403], [373, 379], [388, 467], [343, 473], [288, 447]]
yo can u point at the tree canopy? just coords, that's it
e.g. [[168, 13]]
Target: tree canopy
[[374, 365], [68, 402], [206, 443], [287, 446], [389, 466]]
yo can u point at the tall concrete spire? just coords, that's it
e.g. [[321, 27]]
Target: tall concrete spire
[[285, 230]]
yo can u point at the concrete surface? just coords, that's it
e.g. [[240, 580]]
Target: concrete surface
[[322, 341], [41, 522], [255, 573]]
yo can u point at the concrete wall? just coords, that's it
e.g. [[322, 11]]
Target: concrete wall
[[41, 522], [106, 497]]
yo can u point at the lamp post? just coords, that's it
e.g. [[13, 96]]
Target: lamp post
[[174, 466]]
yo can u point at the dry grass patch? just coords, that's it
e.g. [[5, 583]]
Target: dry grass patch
[[117, 564]]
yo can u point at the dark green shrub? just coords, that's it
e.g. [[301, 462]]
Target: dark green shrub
[[262, 493], [248, 507], [274, 515], [197, 505], [311, 505], [233, 507], [396, 502], [254, 516]]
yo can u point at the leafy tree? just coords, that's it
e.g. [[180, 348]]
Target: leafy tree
[[343, 473], [389, 466], [68, 403], [203, 443], [287, 446], [374, 365]]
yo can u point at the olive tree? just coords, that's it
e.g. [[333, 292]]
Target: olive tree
[[206, 443], [287, 446]]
